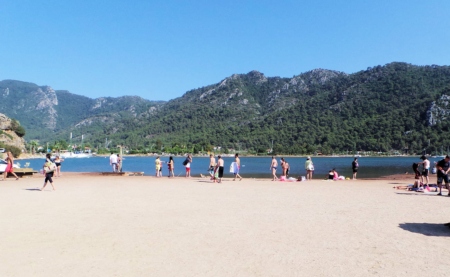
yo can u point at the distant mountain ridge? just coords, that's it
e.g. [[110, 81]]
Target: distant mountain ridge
[[44, 111], [396, 106]]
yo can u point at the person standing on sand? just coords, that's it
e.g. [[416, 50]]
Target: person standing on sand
[[170, 164], [442, 174], [9, 166], [273, 167], [283, 166], [187, 164], [58, 162], [48, 176], [426, 168], [238, 164], [158, 166], [355, 166], [309, 168], [119, 163], [113, 160], [220, 164], [212, 165]]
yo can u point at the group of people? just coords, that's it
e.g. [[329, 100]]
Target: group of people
[[216, 168], [50, 167], [284, 166], [422, 182], [116, 162]]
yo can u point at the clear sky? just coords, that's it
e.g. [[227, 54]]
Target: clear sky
[[160, 49]]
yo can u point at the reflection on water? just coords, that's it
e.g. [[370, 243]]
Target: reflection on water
[[251, 167]]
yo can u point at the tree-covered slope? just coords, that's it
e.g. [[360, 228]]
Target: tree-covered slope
[[396, 106], [49, 114], [381, 108]]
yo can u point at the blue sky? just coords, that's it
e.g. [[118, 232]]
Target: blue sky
[[160, 49]]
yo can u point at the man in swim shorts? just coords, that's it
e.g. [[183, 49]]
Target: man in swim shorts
[[442, 173], [238, 163], [220, 164], [273, 167], [212, 164]]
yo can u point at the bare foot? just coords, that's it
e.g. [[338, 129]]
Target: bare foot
[[240, 179]]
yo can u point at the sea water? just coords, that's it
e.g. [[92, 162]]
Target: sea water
[[251, 167]]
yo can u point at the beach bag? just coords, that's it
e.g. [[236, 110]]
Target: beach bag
[[185, 162], [50, 168]]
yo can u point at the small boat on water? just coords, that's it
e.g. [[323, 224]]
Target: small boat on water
[[77, 154]]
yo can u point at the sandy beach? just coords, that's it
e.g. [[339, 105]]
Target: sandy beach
[[146, 226]]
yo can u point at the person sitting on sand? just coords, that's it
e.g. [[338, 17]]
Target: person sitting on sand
[[330, 175], [335, 175]]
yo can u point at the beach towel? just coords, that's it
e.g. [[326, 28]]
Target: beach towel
[[234, 168]]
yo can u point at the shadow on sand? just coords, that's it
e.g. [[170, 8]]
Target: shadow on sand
[[33, 189], [427, 229]]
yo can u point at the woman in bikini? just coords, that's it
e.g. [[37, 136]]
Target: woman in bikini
[[284, 166], [58, 166], [170, 164]]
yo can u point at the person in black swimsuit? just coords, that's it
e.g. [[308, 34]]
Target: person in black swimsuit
[[58, 162]]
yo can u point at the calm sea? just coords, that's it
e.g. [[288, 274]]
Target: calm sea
[[369, 167]]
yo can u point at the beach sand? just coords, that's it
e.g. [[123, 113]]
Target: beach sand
[[147, 226]]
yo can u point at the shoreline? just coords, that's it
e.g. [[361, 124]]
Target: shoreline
[[397, 177], [42, 155]]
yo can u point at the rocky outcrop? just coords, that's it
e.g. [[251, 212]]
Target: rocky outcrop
[[7, 135], [439, 110], [48, 100]]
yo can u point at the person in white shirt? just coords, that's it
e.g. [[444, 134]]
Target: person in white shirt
[[114, 161], [426, 168]]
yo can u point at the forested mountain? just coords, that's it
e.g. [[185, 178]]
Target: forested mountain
[[396, 106], [47, 113]]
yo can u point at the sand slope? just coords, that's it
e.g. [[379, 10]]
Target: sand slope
[[143, 226]]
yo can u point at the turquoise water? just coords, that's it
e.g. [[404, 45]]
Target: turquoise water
[[369, 167]]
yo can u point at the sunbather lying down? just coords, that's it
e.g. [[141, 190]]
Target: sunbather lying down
[[432, 188]]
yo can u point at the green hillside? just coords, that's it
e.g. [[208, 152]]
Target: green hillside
[[397, 106]]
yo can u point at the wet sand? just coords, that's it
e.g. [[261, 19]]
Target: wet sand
[[146, 226]]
